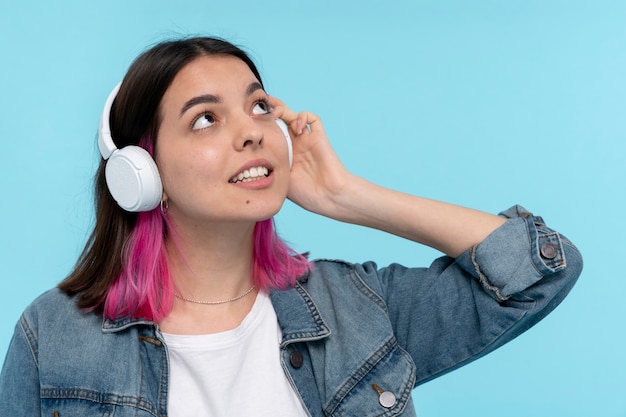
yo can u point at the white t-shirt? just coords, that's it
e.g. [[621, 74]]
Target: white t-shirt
[[236, 373]]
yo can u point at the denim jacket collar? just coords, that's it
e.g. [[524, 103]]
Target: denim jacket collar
[[122, 323], [298, 316]]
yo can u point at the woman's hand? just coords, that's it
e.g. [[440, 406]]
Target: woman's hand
[[317, 174]]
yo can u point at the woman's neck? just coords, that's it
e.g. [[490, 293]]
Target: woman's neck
[[211, 266]]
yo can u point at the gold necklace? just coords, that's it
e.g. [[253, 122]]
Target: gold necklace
[[191, 300]]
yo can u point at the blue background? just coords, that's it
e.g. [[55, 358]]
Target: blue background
[[482, 103]]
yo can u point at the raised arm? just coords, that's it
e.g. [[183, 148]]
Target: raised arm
[[503, 273]]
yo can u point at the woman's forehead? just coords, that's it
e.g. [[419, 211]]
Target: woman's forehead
[[217, 72], [209, 79]]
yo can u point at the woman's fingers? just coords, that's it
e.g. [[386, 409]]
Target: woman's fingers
[[280, 110], [298, 122], [309, 121]]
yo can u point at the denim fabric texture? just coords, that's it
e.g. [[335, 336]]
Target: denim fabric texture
[[350, 332]]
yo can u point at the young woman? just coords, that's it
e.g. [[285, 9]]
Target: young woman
[[185, 302]]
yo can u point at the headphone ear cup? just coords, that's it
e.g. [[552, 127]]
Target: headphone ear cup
[[133, 179]]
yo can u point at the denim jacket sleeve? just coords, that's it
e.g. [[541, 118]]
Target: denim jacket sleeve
[[460, 309]]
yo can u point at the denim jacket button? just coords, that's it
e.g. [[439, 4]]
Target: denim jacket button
[[387, 399], [549, 251], [296, 359]]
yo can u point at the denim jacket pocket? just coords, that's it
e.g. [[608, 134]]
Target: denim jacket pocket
[[384, 391]]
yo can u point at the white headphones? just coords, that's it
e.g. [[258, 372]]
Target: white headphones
[[131, 174]]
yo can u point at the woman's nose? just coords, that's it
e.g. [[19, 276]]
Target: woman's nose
[[250, 133]]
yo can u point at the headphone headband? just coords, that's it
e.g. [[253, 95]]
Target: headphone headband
[[105, 140]]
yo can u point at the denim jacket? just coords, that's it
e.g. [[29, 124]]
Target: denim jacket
[[356, 339]]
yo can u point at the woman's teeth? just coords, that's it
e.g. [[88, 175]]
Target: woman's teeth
[[251, 174]]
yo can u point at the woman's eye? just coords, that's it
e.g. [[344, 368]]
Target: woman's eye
[[261, 108], [203, 122]]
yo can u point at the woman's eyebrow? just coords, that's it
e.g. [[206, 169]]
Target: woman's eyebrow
[[212, 99], [203, 99], [253, 87]]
